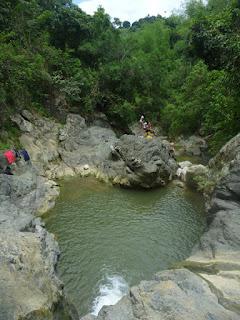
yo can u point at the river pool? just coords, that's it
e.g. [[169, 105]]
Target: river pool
[[112, 238]]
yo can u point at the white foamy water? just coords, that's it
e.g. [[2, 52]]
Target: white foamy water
[[111, 290]]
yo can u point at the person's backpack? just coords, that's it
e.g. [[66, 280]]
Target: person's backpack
[[24, 154]]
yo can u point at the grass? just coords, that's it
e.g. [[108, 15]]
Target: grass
[[9, 138]]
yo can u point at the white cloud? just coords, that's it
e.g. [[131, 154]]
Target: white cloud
[[131, 10]]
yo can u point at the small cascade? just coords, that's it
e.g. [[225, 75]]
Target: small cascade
[[111, 290]]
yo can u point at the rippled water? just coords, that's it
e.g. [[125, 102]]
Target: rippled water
[[112, 238]]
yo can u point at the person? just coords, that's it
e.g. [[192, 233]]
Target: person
[[141, 121], [145, 125], [11, 156], [24, 154], [6, 160]]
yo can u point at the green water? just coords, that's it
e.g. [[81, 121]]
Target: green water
[[112, 238]]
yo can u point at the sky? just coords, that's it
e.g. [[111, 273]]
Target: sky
[[130, 10]]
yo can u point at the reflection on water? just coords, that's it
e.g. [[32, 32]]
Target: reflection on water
[[112, 238]]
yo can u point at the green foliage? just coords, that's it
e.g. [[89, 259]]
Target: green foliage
[[183, 70], [205, 183]]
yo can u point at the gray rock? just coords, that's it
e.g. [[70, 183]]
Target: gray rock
[[174, 294], [142, 162], [75, 146], [193, 173], [229, 152], [29, 288], [23, 124], [192, 146]]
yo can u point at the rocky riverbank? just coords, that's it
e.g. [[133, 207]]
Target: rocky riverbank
[[29, 288], [206, 285]]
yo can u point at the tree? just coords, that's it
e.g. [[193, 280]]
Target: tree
[[126, 24], [117, 23]]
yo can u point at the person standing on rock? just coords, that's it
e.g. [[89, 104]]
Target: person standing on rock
[[141, 121]]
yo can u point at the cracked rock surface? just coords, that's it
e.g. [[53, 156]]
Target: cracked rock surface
[[77, 148]]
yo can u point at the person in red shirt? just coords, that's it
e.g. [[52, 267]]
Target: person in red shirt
[[10, 155], [6, 160]]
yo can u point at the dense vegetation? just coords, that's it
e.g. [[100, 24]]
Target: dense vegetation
[[182, 72]]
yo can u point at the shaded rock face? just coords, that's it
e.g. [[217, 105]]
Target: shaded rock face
[[29, 288], [224, 211], [229, 152], [207, 284], [192, 146], [76, 148]]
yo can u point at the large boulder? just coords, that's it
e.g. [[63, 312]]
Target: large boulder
[[26, 288], [22, 195], [228, 153], [39, 137], [141, 162], [191, 146], [194, 173]]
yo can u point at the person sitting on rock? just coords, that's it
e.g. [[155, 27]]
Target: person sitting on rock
[[11, 156], [6, 160], [24, 154], [148, 129], [145, 125]]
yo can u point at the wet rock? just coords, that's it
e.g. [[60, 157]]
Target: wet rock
[[174, 294]]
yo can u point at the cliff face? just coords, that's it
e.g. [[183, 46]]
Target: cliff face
[[207, 284], [29, 288]]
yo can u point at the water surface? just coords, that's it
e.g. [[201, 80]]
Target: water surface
[[112, 238]]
